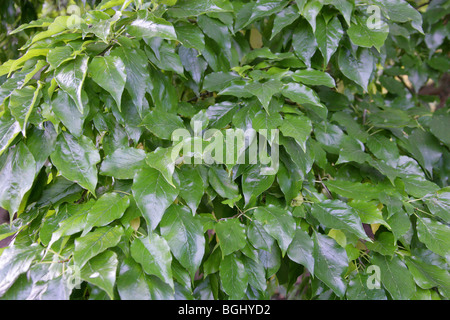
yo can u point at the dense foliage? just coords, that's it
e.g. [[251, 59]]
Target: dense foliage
[[87, 114]]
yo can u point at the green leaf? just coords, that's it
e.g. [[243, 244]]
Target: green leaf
[[439, 203], [368, 212], [66, 110], [188, 8], [330, 263], [428, 276], [263, 8], [75, 222], [220, 114], [137, 77], [162, 124], [123, 163], [217, 81], [17, 173], [395, 277], [362, 36], [109, 207], [328, 36], [264, 91], [357, 68], [190, 36], [355, 190], [301, 94], [153, 195], [163, 160], [352, 150], [256, 274], [310, 12], [231, 235], [153, 253], [15, 261], [222, 183], [435, 235], [110, 73], [259, 237], [358, 289], [101, 271], [385, 244], [266, 121], [254, 183], [184, 234], [233, 276], [339, 215], [298, 127], [344, 6], [9, 129], [134, 284], [59, 55], [95, 242], [438, 127], [22, 102], [313, 77], [76, 159], [148, 26], [401, 11], [278, 223], [304, 42], [301, 250], [191, 186], [383, 149], [283, 19], [70, 77]]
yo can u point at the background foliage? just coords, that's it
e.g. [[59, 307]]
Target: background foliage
[[88, 106]]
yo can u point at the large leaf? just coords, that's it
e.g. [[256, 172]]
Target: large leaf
[[135, 62], [123, 163], [328, 36], [338, 215], [17, 174], [148, 26], [22, 102], [9, 128], [231, 235], [70, 77], [395, 277], [357, 68], [162, 124], [234, 276], [110, 73], [95, 242], [184, 234], [330, 263], [435, 235], [66, 110], [254, 183], [76, 159], [301, 250], [362, 36], [109, 207], [278, 223], [297, 127], [153, 195], [153, 253], [101, 271], [15, 261]]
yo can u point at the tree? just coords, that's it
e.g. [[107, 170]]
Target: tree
[[347, 196]]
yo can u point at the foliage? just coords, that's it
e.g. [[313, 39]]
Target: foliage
[[87, 114]]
